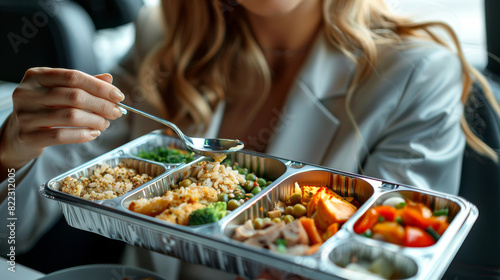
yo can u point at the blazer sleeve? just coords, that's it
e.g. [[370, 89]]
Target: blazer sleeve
[[422, 143], [33, 214]]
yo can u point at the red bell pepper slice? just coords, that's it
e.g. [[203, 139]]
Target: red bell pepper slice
[[413, 217], [416, 237], [388, 212], [367, 221]]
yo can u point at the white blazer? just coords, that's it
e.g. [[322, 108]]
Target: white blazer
[[407, 112]]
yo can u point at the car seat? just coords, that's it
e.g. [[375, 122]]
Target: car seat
[[44, 33], [479, 256], [60, 33]]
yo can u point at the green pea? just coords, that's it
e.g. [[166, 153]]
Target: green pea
[[288, 219], [248, 186], [277, 220], [258, 223], [289, 210], [233, 204], [269, 183], [368, 233], [239, 196], [261, 182], [243, 171], [223, 197], [240, 189], [256, 190], [251, 177], [295, 198], [267, 220], [299, 210]]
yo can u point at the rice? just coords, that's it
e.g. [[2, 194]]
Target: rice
[[222, 178], [202, 184], [105, 182]]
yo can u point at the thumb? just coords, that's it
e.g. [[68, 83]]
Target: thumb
[[105, 77]]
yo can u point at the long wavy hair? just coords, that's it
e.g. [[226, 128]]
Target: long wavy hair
[[207, 40]]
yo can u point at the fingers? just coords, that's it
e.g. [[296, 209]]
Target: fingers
[[63, 117], [78, 98], [57, 106], [105, 77], [50, 77], [57, 136]]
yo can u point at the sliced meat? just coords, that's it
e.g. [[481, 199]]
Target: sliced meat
[[295, 234], [268, 235], [245, 231]]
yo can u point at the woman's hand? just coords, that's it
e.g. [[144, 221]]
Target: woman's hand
[[56, 106]]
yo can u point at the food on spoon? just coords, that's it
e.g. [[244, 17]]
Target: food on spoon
[[105, 182]]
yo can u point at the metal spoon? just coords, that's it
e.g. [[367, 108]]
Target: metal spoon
[[212, 147]]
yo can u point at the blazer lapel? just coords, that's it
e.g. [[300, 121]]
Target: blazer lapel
[[306, 127]]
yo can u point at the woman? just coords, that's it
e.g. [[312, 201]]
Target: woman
[[345, 84]]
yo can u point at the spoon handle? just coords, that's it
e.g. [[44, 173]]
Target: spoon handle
[[154, 118]]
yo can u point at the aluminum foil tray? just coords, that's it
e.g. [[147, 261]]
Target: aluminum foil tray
[[211, 245]]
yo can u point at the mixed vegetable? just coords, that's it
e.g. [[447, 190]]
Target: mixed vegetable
[[403, 222], [301, 224], [168, 155]]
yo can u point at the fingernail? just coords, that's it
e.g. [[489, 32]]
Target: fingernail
[[117, 112], [107, 123], [109, 76], [95, 133], [118, 95]]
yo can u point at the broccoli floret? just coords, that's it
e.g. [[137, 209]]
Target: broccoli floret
[[212, 213]]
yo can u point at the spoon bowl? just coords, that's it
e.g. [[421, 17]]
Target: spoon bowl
[[212, 147]]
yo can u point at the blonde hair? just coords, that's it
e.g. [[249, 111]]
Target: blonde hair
[[207, 40], [203, 47]]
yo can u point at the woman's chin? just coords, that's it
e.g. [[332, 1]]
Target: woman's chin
[[270, 8]]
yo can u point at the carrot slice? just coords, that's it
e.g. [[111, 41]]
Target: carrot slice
[[311, 229], [388, 212], [368, 220], [391, 232], [413, 217], [330, 231]]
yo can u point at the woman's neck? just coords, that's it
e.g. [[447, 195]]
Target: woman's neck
[[292, 31]]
